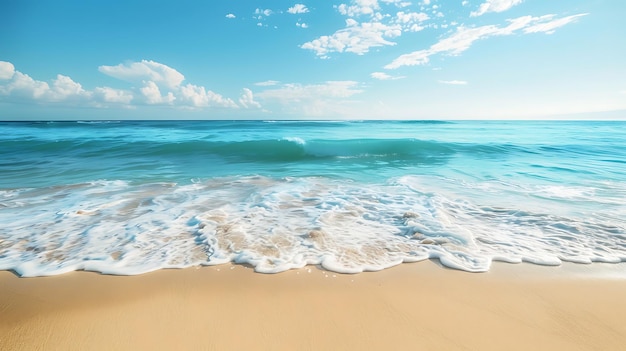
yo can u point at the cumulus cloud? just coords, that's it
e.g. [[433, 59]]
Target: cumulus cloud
[[298, 8], [158, 84], [230, 15], [302, 25], [145, 70], [111, 95], [494, 6], [21, 86], [152, 94], [7, 70], [197, 96], [464, 37], [63, 87], [247, 99], [162, 85]]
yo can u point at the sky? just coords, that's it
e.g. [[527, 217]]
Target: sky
[[360, 59]]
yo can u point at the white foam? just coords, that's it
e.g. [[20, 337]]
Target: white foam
[[276, 225]]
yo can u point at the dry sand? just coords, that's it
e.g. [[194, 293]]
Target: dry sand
[[410, 307]]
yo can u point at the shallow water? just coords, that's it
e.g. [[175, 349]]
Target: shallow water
[[132, 197]]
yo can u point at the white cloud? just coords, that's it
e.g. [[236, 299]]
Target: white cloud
[[247, 99], [152, 94], [22, 86], [453, 82], [398, 3], [160, 85], [357, 38], [63, 87], [7, 70], [267, 83], [494, 6], [464, 37], [549, 27], [378, 30], [330, 89], [266, 12], [359, 7], [197, 96], [384, 76], [145, 70], [298, 8], [111, 95], [302, 25], [411, 17], [410, 21], [230, 15]]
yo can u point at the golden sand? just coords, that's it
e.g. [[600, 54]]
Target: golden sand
[[417, 306]]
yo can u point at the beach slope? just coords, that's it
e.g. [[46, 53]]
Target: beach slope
[[417, 306]]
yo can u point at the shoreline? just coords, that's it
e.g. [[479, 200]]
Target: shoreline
[[413, 306]]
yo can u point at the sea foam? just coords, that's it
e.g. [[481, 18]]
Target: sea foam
[[280, 224]]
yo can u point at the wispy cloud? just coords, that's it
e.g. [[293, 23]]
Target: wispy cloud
[[330, 89], [494, 6], [267, 83], [464, 37], [384, 76], [453, 82], [551, 24], [328, 98], [357, 38], [263, 12]]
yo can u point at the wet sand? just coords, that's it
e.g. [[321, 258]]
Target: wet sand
[[419, 306]]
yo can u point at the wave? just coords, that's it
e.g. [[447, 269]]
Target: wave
[[287, 149]]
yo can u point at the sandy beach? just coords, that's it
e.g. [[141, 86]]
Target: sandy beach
[[417, 306]]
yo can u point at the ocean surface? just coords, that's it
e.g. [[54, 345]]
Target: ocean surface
[[132, 197]]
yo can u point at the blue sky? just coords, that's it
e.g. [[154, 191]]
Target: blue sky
[[381, 59]]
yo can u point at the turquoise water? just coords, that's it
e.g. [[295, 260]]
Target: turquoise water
[[132, 197]]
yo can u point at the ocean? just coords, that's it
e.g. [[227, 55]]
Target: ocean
[[130, 197]]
